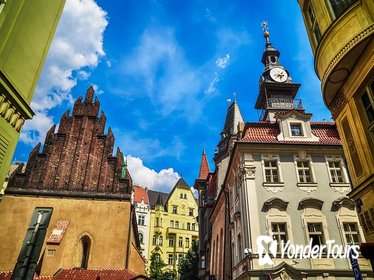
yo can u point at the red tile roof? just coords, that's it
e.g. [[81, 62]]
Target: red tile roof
[[139, 194], [82, 274], [204, 167], [265, 132]]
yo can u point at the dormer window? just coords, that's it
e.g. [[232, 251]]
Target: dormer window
[[296, 129]]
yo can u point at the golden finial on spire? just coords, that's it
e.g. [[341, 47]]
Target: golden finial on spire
[[265, 28]]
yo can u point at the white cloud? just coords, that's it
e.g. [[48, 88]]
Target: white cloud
[[74, 52], [222, 62], [164, 180], [162, 72], [213, 85]]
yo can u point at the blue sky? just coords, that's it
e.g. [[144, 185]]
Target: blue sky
[[163, 71]]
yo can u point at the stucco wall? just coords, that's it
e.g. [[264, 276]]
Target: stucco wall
[[105, 222]]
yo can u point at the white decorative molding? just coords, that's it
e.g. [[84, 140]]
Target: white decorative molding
[[273, 187], [307, 187], [341, 188]]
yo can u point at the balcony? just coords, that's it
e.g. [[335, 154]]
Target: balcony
[[284, 103]]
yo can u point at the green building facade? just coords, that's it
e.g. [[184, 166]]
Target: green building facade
[[27, 29]]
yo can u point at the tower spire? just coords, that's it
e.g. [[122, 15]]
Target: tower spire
[[204, 166], [265, 28]]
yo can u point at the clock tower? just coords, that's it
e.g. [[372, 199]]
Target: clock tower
[[276, 91]]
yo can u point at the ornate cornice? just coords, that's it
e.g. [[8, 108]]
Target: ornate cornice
[[10, 113], [359, 37], [337, 104], [311, 202], [275, 202]]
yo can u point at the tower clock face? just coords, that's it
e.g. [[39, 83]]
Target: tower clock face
[[278, 74]]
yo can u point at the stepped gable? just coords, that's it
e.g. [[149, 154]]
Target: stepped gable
[[77, 160]]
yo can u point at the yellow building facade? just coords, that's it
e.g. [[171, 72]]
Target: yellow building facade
[[173, 224], [341, 37]]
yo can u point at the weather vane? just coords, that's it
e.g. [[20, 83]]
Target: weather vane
[[234, 94], [265, 26], [228, 101]]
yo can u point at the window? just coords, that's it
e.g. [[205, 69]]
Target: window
[[180, 241], [271, 171], [157, 257], [339, 6], [171, 223], [171, 241], [160, 240], [303, 171], [185, 196], [187, 242], [154, 240], [191, 212], [180, 257], [296, 130], [175, 208], [157, 222], [86, 245], [314, 27], [188, 226], [141, 220], [351, 233], [315, 233], [239, 248], [170, 259], [176, 224], [193, 226], [335, 169], [279, 231], [141, 238], [181, 195], [367, 100]]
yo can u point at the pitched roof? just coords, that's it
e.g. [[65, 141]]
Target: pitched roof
[[181, 183], [140, 194], [84, 274], [156, 197], [233, 117], [204, 167], [266, 132]]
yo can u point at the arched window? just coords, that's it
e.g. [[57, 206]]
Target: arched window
[[185, 196], [86, 245], [141, 238], [181, 196], [160, 241], [154, 240]]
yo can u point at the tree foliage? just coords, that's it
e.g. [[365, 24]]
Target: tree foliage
[[157, 268], [189, 265]]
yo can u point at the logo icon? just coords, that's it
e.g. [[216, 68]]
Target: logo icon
[[264, 257]]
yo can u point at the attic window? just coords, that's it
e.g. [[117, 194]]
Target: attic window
[[296, 129]]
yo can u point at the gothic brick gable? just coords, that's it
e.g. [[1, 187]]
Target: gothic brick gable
[[77, 159]]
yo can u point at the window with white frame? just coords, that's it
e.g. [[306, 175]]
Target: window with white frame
[[160, 240], [176, 224], [279, 232], [157, 222], [193, 226], [154, 240], [271, 171], [141, 238], [315, 232], [191, 212], [351, 233], [141, 220], [170, 259], [175, 210], [180, 241], [171, 223], [296, 129], [187, 242], [304, 171], [335, 166], [188, 226]]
